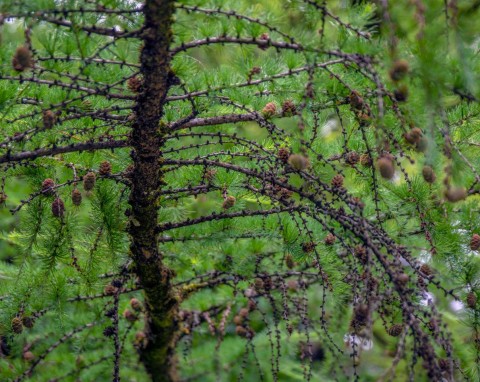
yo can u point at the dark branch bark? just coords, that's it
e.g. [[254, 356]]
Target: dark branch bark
[[147, 139], [87, 146]]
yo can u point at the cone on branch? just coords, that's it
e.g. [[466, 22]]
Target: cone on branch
[[428, 174], [17, 325], [355, 100], [471, 300], [337, 181], [386, 167], [352, 158], [136, 305], [76, 197], [366, 160], [288, 108], [455, 194], [47, 187], [58, 208], [89, 181], [475, 242], [134, 84], [27, 321], [283, 154], [399, 70], [269, 110], [330, 239], [426, 270], [298, 162], [289, 261], [401, 93], [395, 330], [49, 119], [22, 59], [28, 356], [228, 202], [105, 168], [413, 135]]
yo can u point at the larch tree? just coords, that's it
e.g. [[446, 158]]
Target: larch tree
[[217, 190]]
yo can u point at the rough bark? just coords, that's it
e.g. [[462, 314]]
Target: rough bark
[[147, 139]]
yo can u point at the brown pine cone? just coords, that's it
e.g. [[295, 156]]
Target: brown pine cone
[[337, 181], [330, 239], [89, 181], [472, 300], [395, 330], [58, 208], [105, 168], [475, 242]]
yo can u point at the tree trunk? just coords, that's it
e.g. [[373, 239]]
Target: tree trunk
[[147, 138]]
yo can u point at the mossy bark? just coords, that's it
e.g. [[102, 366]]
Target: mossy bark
[[147, 179]]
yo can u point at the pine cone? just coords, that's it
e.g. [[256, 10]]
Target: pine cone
[[258, 283], [395, 330], [292, 285], [27, 322], [355, 100], [105, 168], [229, 202], [110, 289], [401, 93], [288, 108], [308, 247], [298, 162], [422, 145], [109, 331], [386, 167], [89, 181], [352, 158], [283, 154], [210, 174], [269, 109], [357, 202], [136, 305], [428, 174], [58, 208], [366, 160], [134, 84], [140, 340], [244, 312], [399, 70], [289, 261], [413, 136], [475, 242], [28, 356], [241, 331], [47, 187], [360, 316], [426, 270], [76, 197], [17, 325], [330, 239], [129, 315], [456, 194], [22, 59], [361, 253], [337, 181], [403, 278], [49, 119], [238, 320], [472, 300]]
